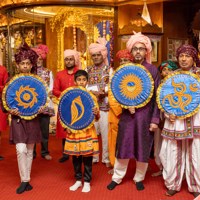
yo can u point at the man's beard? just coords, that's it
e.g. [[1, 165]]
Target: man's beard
[[70, 67]]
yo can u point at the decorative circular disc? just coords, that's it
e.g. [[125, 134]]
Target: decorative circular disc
[[132, 85], [179, 94], [75, 109], [27, 92]]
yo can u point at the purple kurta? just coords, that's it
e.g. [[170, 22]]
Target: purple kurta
[[134, 138], [25, 131]]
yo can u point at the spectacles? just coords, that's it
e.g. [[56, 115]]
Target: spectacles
[[140, 49]]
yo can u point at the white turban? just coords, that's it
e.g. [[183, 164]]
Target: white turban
[[70, 52]]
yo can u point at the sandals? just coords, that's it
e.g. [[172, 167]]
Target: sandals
[[170, 192]]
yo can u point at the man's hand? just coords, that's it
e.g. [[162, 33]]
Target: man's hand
[[172, 118], [153, 127], [41, 109], [14, 112], [131, 109]]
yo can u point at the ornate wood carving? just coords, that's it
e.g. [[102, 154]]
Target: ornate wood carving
[[147, 29]]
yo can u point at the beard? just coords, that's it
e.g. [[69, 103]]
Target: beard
[[69, 67]]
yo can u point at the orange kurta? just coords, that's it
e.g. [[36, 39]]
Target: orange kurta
[[113, 119]]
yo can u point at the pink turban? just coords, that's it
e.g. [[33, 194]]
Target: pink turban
[[41, 51], [70, 52], [139, 37], [124, 54], [100, 46]]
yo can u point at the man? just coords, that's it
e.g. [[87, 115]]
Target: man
[[44, 118], [3, 116], [63, 80], [180, 153], [136, 126], [98, 85]]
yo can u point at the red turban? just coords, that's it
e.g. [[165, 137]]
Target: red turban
[[138, 37], [100, 46], [124, 54], [25, 52], [190, 50]]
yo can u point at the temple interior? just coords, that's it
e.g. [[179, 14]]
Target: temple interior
[[75, 24]]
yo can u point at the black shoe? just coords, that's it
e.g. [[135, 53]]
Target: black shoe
[[22, 187], [29, 187], [1, 158], [112, 185], [139, 185], [196, 194], [63, 159]]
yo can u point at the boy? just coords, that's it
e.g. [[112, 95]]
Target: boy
[[24, 133], [78, 145]]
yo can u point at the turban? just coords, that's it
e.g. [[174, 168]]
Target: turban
[[41, 51], [169, 64], [124, 54], [25, 52], [99, 46], [70, 52], [138, 37], [190, 50]]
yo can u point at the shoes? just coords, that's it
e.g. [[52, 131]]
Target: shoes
[[29, 187], [47, 157], [95, 161], [63, 159], [139, 185], [22, 187], [171, 192], [112, 185], [1, 158], [196, 194], [86, 187], [75, 186]]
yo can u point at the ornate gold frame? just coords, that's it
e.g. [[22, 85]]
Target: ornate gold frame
[[83, 18]]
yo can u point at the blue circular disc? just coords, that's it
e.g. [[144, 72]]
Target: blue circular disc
[[27, 93], [75, 109], [132, 85], [179, 94]]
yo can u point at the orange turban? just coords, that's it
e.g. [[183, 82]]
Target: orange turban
[[139, 37], [70, 52], [100, 46]]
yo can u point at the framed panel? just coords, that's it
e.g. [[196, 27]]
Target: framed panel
[[172, 45]]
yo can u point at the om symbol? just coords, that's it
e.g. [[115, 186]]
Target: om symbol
[[179, 99]]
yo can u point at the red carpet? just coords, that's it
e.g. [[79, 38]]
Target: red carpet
[[51, 179]]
